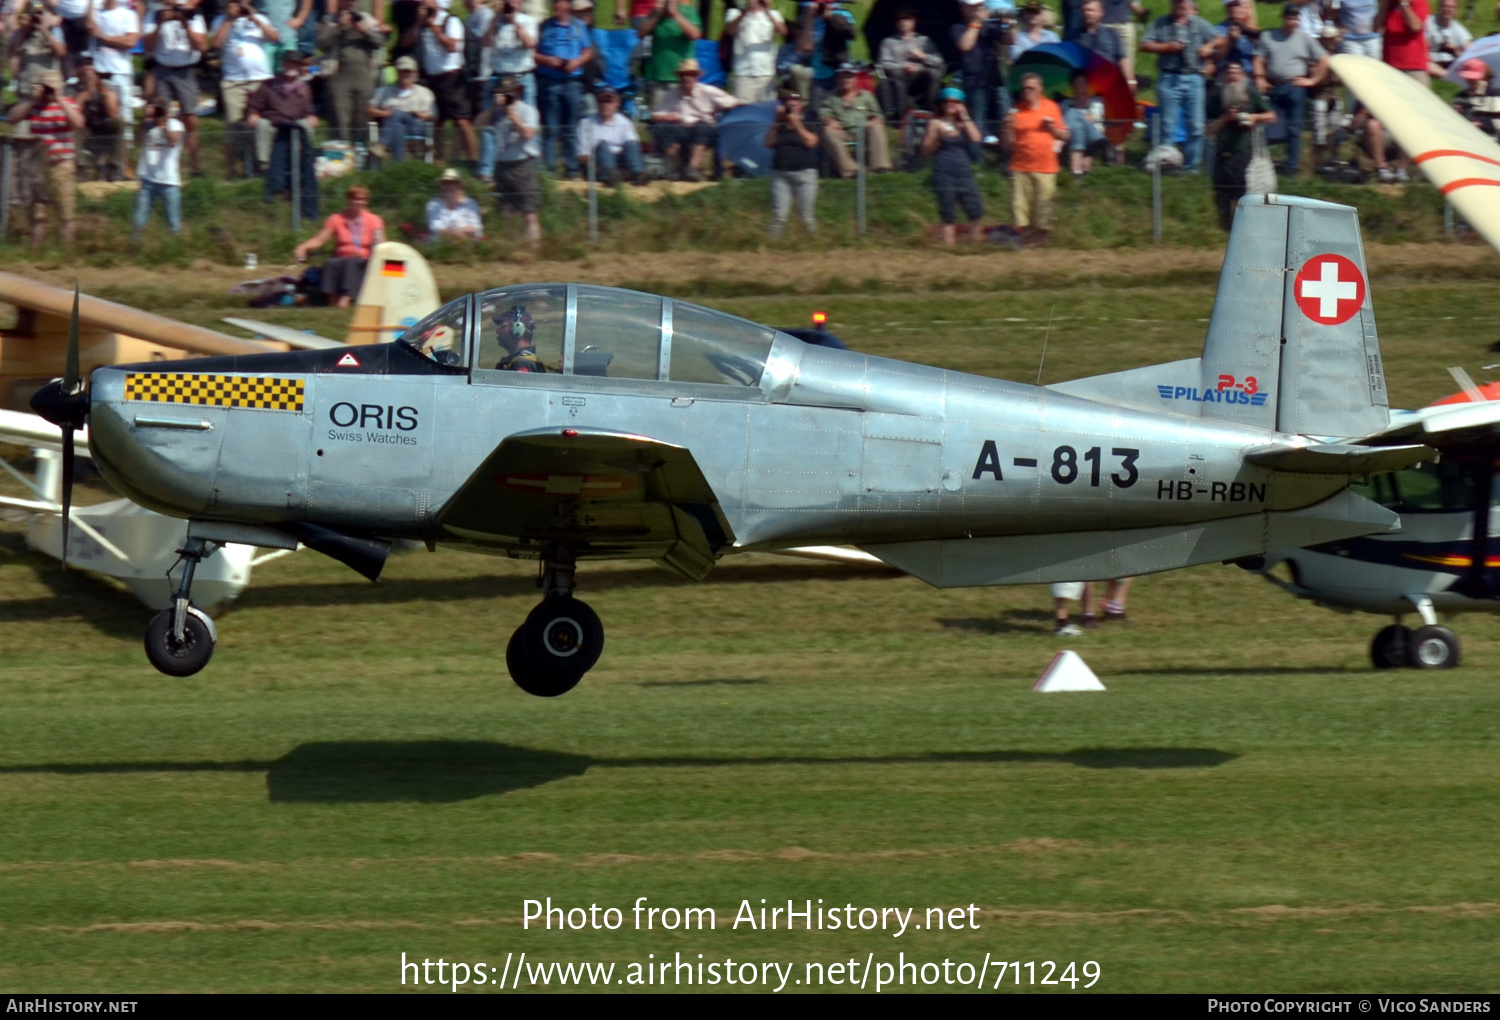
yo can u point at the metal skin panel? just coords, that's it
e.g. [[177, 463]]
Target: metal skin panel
[[1331, 382], [1244, 329]]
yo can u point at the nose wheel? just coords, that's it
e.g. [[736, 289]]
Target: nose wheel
[[180, 640]]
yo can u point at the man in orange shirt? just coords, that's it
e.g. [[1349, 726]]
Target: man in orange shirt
[[1034, 132]]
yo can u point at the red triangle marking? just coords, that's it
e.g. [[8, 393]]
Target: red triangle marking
[[348, 360]]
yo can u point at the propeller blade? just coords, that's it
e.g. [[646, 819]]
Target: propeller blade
[[67, 488], [70, 374]]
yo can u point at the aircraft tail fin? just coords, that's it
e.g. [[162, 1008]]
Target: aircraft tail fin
[[1291, 342], [399, 291]]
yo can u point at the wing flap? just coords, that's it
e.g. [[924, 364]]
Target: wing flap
[[1338, 458], [609, 493]]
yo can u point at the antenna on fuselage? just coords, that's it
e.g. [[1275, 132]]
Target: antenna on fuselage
[[1045, 336]]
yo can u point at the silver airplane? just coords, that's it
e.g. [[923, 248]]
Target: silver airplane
[[566, 422]]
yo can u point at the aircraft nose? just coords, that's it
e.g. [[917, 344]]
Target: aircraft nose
[[62, 407]]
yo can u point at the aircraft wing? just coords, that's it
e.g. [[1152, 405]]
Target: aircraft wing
[[1455, 155], [107, 315], [1339, 458], [1443, 427], [610, 493], [296, 338], [21, 429]]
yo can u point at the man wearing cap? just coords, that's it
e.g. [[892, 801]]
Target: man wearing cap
[[608, 137], [564, 46], [1477, 103], [240, 35], [279, 110], [1288, 62], [53, 118], [846, 114], [1237, 38], [453, 216], [794, 164], [674, 29], [1182, 41], [512, 123], [402, 110], [686, 116], [979, 38], [355, 43], [1446, 38]]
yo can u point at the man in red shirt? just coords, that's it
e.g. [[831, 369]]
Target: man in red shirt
[[1034, 130], [1405, 43], [53, 118]]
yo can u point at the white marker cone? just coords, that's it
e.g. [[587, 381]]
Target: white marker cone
[[1067, 672]]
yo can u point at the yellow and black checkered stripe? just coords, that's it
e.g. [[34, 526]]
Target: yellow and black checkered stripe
[[255, 391]]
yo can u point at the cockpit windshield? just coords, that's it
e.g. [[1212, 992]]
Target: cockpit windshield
[[1447, 487], [440, 336]]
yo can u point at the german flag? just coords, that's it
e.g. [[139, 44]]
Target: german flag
[[393, 267]]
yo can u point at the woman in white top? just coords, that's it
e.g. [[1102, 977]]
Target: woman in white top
[[756, 34]]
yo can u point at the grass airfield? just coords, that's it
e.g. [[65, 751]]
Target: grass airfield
[[1249, 807]]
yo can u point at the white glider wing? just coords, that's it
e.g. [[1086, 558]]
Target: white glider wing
[[1455, 155]]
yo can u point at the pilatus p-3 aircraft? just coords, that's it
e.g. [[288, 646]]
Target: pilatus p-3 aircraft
[[566, 422]]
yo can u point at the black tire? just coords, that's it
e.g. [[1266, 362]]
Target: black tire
[[1432, 648], [529, 678], [1388, 649], [563, 635], [175, 659]]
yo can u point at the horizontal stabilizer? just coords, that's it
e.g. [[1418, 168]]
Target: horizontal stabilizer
[[296, 338], [1338, 458], [1099, 556]]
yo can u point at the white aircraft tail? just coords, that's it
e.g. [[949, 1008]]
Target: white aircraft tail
[[1291, 342]]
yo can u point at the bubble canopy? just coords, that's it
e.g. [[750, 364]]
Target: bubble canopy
[[584, 330]]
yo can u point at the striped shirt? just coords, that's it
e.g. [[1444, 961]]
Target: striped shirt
[[50, 124]]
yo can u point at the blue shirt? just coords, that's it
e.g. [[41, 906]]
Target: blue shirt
[[555, 39], [1243, 49], [821, 71]]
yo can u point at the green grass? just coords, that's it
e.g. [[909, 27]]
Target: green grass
[[1248, 807]]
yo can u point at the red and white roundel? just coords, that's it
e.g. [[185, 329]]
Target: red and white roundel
[[1329, 289]]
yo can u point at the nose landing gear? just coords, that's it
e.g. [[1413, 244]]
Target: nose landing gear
[[562, 637], [180, 640]]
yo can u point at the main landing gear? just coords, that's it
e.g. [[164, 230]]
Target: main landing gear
[[561, 639], [180, 640], [1428, 647]]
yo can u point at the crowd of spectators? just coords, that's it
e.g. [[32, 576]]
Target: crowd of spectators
[[516, 90]]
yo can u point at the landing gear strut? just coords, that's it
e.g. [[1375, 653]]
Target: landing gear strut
[[1430, 646], [561, 638], [180, 640]]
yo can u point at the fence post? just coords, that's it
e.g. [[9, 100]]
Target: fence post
[[593, 196], [7, 188], [859, 179], [296, 179], [1447, 220], [1156, 178]]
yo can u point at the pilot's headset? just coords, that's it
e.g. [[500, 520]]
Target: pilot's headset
[[513, 326]]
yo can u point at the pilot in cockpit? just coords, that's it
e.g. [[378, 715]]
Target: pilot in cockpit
[[514, 329]]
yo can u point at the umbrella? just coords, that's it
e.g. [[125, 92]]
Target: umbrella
[[1486, 49], [1056, 62], [742, 133]]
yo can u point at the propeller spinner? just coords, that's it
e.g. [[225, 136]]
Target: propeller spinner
[[65, 403]]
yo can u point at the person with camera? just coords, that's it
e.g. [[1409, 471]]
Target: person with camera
[[511, 39], [101, 124], [822, 37], [754, 34], [354, 231], [564, 47], [979, 38], [913, 67], [1032, 131], [160, 169], [54, 120], [1182, 42], [402, 110], [794, 164], [609, 138], [438, 38], [279, 112], [116, 29], [1238, 38], [952, 142], [355, 43], [36, 46], [513, 124], [176, 39], [241, 35], [674, 29], [846, 114], [1446, 38], [1234, 110]]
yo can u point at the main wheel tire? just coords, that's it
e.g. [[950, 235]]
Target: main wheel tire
[[563, 634], [178, 658], [1432, 648], [1388, 649], [529, 678]]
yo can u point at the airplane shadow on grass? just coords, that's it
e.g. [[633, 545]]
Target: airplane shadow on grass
[[445, 771], [1012, 621]]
